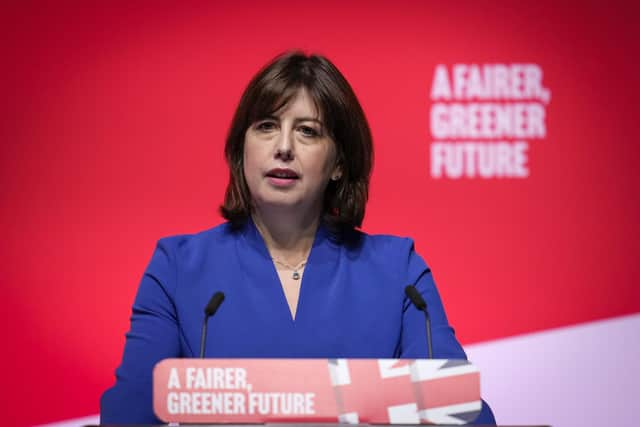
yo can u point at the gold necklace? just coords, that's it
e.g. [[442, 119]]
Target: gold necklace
[[296, 274]]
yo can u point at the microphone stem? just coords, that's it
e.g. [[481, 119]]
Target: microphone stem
[[429, 347], [203, 338]]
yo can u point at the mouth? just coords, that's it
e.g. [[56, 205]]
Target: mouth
[[283, 174], [282, 178]]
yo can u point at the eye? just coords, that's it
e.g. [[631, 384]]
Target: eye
[[309, 132], [265, 126]]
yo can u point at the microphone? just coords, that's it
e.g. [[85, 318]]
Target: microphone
[[421, 305], [209, 310]]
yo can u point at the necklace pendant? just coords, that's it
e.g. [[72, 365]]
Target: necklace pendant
[[295, 275]]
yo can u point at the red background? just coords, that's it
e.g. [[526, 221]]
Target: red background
[[113, 124]]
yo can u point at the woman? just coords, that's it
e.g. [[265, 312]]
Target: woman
[[299, 280]]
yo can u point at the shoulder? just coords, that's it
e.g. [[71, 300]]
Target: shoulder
[[185, 248], [380, 245], [186, 242], [199, 253], [385, 253]]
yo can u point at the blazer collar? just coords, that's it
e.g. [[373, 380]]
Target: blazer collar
[[321, 249]]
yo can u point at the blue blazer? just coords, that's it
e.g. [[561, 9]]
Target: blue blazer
[[351, 304]]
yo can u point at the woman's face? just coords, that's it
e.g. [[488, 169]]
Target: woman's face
[[289, 158]]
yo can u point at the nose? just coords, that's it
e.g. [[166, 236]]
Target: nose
[[284, 146]]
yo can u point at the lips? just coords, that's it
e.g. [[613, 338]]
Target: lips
[[282, 178], [282, 174]]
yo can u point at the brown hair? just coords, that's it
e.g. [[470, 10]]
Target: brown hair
[[271, 89]]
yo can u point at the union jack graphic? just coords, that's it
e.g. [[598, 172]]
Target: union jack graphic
[[406, 391]]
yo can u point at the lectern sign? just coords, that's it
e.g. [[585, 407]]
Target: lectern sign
[[316, 390]]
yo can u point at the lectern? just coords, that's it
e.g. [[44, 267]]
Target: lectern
[[350, 391]]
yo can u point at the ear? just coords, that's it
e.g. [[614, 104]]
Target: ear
[[337, 173]]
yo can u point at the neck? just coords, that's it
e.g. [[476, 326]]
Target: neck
[[288, 237]]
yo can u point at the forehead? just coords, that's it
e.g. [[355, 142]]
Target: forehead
[[296, 100], [299, 105]]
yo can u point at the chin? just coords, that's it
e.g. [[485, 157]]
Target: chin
[[278, 203]]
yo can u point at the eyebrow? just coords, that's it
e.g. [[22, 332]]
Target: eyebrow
[[297, 120], [308, 119]]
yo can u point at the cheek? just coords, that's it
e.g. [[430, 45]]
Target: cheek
[[250, 162], [330, 160], [246, 162]]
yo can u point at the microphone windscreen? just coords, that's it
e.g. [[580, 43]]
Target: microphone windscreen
[[214, 303], [415, 297]]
